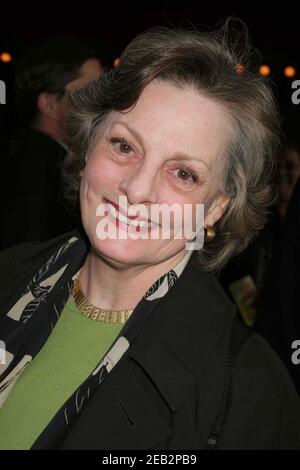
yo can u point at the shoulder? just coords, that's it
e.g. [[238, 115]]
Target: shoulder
[[20, 262], [27, 251], [265, 407]]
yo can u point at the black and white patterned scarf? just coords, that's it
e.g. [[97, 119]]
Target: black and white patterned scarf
[[27, 325]]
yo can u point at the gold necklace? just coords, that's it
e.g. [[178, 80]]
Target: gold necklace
[[96, 313]]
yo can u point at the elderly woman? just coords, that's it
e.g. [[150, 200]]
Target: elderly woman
[[120, 337]]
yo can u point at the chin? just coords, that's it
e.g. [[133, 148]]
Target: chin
[[122, 251]]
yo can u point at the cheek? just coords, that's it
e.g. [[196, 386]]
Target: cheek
[[194, 210], [187, 215], [100, 172]]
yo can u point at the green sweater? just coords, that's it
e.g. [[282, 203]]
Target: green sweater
[[49, 380]]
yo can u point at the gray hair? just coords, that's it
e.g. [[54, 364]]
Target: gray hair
[[210, 63]]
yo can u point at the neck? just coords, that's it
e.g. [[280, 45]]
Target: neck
[[50, 127], [110, 287]]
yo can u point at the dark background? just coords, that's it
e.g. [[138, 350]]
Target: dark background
[[109, 26]]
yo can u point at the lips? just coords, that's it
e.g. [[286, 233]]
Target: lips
[[131, 217]]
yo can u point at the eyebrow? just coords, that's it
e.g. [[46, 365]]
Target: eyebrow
[[179, 155]]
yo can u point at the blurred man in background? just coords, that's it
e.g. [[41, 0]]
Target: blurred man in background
[[44, 76], [288, 175]]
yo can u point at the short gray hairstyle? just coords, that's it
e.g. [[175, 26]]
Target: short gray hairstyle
[[219, 68]]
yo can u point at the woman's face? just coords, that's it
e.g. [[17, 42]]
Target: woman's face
[[169, 149]]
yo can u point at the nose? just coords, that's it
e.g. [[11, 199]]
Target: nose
[[141, 185]]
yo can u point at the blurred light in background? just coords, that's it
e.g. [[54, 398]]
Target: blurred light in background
[[5, 57], [116, 61], [264, 70], [289, 71]]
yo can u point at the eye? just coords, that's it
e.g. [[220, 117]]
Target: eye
[[121, 145], [187, 175]]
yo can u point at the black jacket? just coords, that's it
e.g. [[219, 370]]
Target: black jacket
[[35, 208], [165, 391], [289, 283]]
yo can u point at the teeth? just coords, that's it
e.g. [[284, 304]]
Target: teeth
[[112, 210], [134, 223]]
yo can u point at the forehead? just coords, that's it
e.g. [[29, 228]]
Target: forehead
[[89, 71], [179, 120]]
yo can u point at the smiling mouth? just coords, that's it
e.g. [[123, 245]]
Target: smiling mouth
[[130, 220]]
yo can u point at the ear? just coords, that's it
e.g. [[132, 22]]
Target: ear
[[49, 105], [216, 209]]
